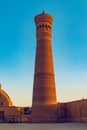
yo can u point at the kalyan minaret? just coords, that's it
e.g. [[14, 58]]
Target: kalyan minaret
[[44, 91]]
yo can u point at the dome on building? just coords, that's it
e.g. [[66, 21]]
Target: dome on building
[[4, 98]]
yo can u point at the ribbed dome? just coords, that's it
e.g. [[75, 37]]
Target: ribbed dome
[[4, 98]]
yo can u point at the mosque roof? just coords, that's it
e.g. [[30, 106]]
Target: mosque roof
[[4, 98]]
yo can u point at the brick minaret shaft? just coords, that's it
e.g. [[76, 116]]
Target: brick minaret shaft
[[44, 92], [44, 82]]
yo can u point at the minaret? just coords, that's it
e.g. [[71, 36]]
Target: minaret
[[44, 92]]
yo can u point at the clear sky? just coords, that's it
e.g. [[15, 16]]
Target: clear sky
[[18, 43]]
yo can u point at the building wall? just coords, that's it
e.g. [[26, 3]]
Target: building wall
[[75, 111], [45, 114], [10, 114]]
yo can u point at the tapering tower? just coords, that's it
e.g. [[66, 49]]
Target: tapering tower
[[44, 92]]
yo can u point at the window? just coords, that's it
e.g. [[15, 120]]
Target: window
[[42, 26], [1, 103], [46, 26]]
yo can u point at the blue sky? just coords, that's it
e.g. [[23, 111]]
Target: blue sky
[[18, 43]]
